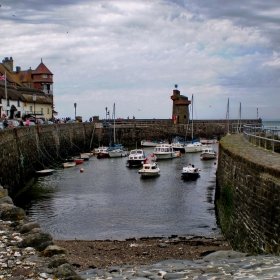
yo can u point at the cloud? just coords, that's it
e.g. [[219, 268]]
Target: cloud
[[133, 52]]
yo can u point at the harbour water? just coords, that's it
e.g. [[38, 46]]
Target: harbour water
[[110, 201]]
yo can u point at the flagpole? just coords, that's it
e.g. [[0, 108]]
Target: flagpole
[[6, 93]]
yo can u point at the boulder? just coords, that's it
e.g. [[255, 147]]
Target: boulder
[[66, 271], [54, 250], [6, 199], [9, 212], [37, 240], [28, 227], [230, 254], [57, 260]]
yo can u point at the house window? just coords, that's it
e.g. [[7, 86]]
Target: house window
[[30, 109], [18, 103], [0, 100], [42, 111], [48, 110], [8, 102], [45, 76]]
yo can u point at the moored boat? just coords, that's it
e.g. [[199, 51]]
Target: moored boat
[[193, 147], [45, 172], [136, 158], [103, 152], [165, 151], [178, 144], [149, 170], [68, 164], [208, 152], [78, 160], [118, 153], [190, 172]]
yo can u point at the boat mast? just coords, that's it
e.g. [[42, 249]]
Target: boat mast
[[192, 116], [114, 124]]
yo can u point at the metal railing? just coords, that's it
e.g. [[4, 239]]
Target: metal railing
[[268, 138]]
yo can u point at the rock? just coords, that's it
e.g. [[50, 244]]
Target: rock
[[224, 255], [54, 250], [6, 199], [28, 227], [66, 271], [3, 192], [38, 240], [57, 260], [10, 212]]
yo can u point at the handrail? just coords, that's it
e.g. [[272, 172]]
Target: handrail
[[262, 137]]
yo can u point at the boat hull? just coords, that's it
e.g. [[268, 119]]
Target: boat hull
[[69, 164], [117, 153], [160, 156], [193, 148], [206, 156], [149, 174], [45, 172], [134, 162], [189, 175], [102, 155], [78, 161]]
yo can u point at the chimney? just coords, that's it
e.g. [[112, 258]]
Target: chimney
[[18, 69], [8, 63]]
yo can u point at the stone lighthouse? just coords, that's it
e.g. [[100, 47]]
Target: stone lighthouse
[[180, 110]]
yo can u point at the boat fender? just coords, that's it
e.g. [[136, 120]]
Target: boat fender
[[82, 170]]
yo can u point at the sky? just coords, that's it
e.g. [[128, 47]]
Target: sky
[[132, 53]]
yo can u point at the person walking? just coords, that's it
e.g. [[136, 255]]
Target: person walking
[[5, 123]]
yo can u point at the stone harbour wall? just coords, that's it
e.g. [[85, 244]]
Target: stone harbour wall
[[247, 196], [24, 150]]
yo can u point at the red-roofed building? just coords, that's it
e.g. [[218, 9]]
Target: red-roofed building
[[27, 84]]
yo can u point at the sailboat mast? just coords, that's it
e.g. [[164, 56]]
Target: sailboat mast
[[114, 124], [192, 116]]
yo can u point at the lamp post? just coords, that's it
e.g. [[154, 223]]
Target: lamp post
[[75, 106], [34, 99], [106, 113]]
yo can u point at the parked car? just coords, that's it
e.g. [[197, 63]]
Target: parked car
[[12, 123], [47, 122]]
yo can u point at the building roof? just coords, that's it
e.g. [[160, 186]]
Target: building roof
[[11, 77], [24, 94], [42, 69]]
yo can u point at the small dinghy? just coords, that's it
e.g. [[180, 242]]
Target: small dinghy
[[78, 160], [45, 172], [190, 172], [69, 164]]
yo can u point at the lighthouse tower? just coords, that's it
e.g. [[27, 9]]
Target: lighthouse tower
[[180, 110]]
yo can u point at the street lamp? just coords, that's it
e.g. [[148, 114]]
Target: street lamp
[[106, 113], [34, 99], [75, 106]]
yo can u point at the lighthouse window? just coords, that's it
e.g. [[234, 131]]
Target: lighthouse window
[[45, 76]]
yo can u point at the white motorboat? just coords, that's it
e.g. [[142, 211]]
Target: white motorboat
[[102, 152], [136, 158], [165, 151], [193, 147], [149, 170], [69, 164], [178, 144], [190, 172], [118, 153], [208, 152]]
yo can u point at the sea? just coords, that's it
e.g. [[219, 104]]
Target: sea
[[111, 201], [271, 123]]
